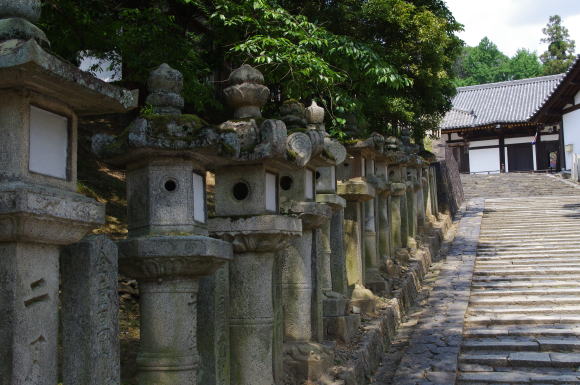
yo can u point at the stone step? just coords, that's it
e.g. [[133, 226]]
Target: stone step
[[526, 300], [517, 377], [552, 250], [524, 291], [546, 271], [522, 359], [540, 344], [525, 284], [527, 278], [548, 310], [503, 331], [521, 319], [524, 260], [520, 266]]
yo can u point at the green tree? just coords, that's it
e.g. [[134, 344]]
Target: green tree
[[386, 62], [561, 49], [484, 63], [524, 64]]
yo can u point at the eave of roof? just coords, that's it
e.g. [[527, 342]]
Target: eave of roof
[[499, 103], [550, 110]]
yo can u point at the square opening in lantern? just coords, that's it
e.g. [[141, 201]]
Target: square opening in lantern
[[271, 192], [198, 198], [49, 143]]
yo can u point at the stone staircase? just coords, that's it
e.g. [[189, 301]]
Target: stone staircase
[[513, 185], [523, 321]]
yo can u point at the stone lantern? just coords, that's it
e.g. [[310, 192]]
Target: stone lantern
[[398, 188], [354, 188], [168, 250], [367, 153], [305, 263], [41, 97], [247, 207]]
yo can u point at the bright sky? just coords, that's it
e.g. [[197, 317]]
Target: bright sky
[[513, 24]]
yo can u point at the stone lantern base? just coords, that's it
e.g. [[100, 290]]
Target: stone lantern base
[[306, 361]]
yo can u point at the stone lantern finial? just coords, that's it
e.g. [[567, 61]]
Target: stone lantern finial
[[165, 85], [247, 93], [17, 18], [315, 114]]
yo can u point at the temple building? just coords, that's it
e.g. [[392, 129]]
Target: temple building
[[490, 127], [521, 125]]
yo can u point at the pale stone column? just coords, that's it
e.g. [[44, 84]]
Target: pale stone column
[[356, 191], [405, 225], [90, 311], [40, 211], [397, 197], [411, 208], [256, 241], [300, 318], [385, 229]]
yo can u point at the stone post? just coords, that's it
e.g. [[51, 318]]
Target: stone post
[[247, 215], [411, 196], [384, 225], [167, 249], [356, 191], [90, 308], [338, 323], [41, 98]]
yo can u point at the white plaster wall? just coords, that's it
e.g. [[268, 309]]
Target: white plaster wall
[[577, 98], [521, 139], [571, 134], [548, 138], [484, 143], [484, 160]]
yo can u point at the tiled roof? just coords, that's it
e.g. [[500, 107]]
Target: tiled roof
[[506, 102]]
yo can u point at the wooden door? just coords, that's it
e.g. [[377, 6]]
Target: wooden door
[[520, 157]]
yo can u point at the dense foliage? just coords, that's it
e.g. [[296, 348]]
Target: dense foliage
[[379, 63], [485, 63], [561, 49]]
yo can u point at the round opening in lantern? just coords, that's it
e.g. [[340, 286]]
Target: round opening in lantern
[[286, 183], [241, 191], [170, 185]]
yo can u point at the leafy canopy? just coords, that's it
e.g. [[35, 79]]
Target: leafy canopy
[[560, 53], [485, 63], [381, 63]]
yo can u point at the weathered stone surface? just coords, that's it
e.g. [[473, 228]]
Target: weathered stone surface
[[213, 336], [299, 148], [26, 64], [45, 215], [246, 94], [168, 256], [315, 114], [165, 85], [355, 190], [29, 288], [90, 318]]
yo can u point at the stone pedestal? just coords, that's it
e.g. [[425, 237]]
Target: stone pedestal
[[356, 191], [299, 298], [338, 323], [90, 311], [411, 208], [385, 243], [168, 269], [34, 222], [256, 242]]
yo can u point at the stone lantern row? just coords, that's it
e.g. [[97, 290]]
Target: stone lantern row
[[306, 232]]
